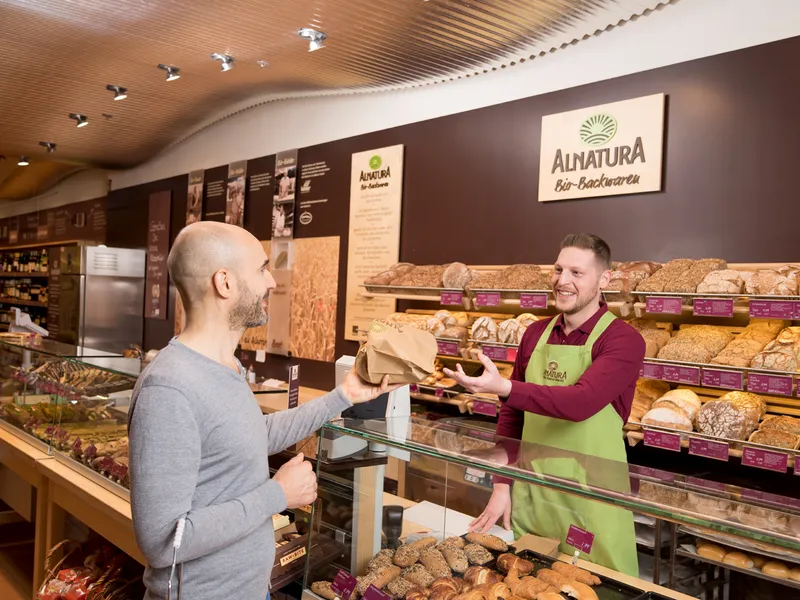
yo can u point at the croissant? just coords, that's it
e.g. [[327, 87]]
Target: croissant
[[495, 591], [529, 587], [576, 573], [506, 562], [576, 589], [473, 594], [446, 588], [551, 577], [418, 594], [549, 595], [480, 575]]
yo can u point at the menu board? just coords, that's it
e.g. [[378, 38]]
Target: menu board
[[156, 282], [82, 221]]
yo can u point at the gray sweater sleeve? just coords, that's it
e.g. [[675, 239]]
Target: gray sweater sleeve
[[164, 461], [291, 426]]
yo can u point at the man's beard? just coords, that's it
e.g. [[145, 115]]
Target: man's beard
[[580, 304], [248, 311]]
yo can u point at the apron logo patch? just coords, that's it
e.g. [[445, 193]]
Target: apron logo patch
[[553, 374]]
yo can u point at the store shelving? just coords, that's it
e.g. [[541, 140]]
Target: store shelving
[[23, 274], [17, 302]]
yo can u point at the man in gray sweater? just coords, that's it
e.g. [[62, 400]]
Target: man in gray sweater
[[198, 441]]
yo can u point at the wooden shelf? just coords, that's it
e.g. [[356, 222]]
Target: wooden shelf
[[22, 274], [22, 302]]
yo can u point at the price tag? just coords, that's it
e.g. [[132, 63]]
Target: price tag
[[487, 299], [665, 441], [664, 306], [702, 483], [728, 380], [447, 348], [713, 307], [665, 476], [652, 371], [533, 300], [580, 539], [294, 385], [769, 384], [773, 309], [413, 388], [512, 355], [481, 407], [765, 459], [708, 448], [478, 477], [690, 375], [451, 299], [374, 593], [344, 584], [495, 352], [797, 464], [439, 393]]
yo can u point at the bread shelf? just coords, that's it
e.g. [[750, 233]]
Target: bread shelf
[[737, 545], [24, 275], [22, 302], [752, 572]]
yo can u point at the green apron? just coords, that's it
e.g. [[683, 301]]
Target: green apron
[[596, 441]]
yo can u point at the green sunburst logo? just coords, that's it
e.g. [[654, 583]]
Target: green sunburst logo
[[375, 162], [598, 130]]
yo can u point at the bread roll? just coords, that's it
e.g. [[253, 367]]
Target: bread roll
[[664, 416], [418, 575], [406, 556], [435, 327], [323, 589], [492, 542], [398, 587], [480, 575], [456, 276], [422, 543], [738, 559], [710, 551], [775, 569], [794, 574], [457, 333], [378, 578], [456, 559], [507, 562], [781, 423], [478, 555], [651, 389], [758, 561], [581, 591], [434, 561], [457, 541], [384, 558]]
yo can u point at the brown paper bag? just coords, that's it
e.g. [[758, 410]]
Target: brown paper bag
[[404, 353]]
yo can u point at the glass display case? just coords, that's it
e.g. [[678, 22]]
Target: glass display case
[[442, 479]]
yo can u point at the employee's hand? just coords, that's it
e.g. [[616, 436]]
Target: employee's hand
[[358, 391], [490, 381], [298, 481], [496, 455], [499, 506]]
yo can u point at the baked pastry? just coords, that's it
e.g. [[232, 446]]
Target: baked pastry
[[548, 595], [479, 575], [456, 540], [778, 439], [781, 423], [428, 276], [664, 276], [379, 578], [508, 331], [383, 558], [418, 575], [495, 591], [477, 555], [738, 559], [418, 594], [406, 555], [388, 276], [492, 542], [484, 329], [471, 594], [398, 587], [581, 591], [435, 327], [433, 560], [324, 589], [509, 562], [456, 559], [527, 319], [774, 568], [782, 354], [576, 573], [685, 400], [456, 276], [551, 577], [651, 389], [711, 506], [724, 419], [527, 588], [710, 551], [667, 417]]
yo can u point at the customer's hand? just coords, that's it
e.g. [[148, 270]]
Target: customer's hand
[[499, 506], [357, 391], [298, 481]]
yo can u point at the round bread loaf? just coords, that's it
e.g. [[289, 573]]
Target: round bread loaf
[[508, 331], [456, 276], [484, 330]]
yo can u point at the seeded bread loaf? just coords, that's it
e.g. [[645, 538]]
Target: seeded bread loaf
[[778, 439], [725, 419], [782, 354], [781, 423]]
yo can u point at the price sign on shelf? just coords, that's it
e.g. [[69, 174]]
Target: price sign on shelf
[[665, 441], [374, 593], [652, 371], [580, 539], [765, 459], [708, 448], [451, 299], [774, 309], [344, 585], [664, 306], [487, 299], [713, 307], [533, 301], [769, 384], [688, 375], [447, 348], [495, 352], [728, 380], [486, 408]]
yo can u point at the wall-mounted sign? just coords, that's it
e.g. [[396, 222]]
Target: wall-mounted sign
[[284, 196], [605, 150], [234, 202], [194, 199], [156, 280]]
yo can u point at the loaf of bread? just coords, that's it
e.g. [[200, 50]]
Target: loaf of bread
[[508, 331], [509, 562], [710, 551], [456, 540], [668, 417], [478, 555], [456, 276], [387, 277], [738, 559], [435, 327], [428, 276], [384, 558], [743, 349], [515, 277], [794, 574], [782, 354], [686, 400], [726, 281], [762, 518], [407, 555], [323, 589], [434, 561], [774, 568], [724, 419], [772, 282], [456, 333], [627, 276], [453, 319], [484, 330], [654, 341], [781, 423], [696, 344], [778, 439], [418, 575], [650, 389], [492, 542], [669, 273], [527, 319], [398, 587], [688, 281], [576, 573], [456, 559]]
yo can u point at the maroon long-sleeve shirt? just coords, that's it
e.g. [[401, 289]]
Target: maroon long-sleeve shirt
[[617, 357]]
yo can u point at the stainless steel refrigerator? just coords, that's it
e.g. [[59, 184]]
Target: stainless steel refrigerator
[[101, 304]]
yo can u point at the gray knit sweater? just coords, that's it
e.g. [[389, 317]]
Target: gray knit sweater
[[198, 449]]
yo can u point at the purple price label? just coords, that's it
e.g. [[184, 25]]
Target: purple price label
[[690, 375], [448, 348], [344, 584], [728, 380], [665, 441], [652, 371], [495, 352], [703, 483], [773, 309], [781, 500], [797, 464], [765, 459], [769, 384], [653, 473], [439, 393], [487, 299], [664, 306], [709, 449], [713, 307], [413, 388], [481, 407], [374, 593], [580, 539], [533, 300], [451, 298]]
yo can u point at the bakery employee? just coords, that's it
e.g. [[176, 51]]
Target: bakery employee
[[571, 391]]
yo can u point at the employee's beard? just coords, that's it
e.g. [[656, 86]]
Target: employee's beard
[[248, 311], [581, 303]]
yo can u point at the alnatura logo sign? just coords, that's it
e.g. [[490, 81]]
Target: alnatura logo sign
[[602, 150], [376, 177], [375, 162]]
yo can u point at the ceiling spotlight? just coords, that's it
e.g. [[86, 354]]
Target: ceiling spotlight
[[262, 63], [82, 120], [173, 73], [120, 93], [227, 61], [23, 162], [316, 39], [51, 146]]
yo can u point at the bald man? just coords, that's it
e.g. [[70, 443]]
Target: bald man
[[198, 441]]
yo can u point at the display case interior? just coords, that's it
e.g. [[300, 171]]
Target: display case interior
[[397, 542]]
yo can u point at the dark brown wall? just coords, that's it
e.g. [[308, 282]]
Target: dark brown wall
[[471, 179]]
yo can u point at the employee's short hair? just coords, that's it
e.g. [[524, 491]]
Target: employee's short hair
[[589, 241]]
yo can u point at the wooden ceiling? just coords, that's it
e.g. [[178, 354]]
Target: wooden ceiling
[[60, 56]]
